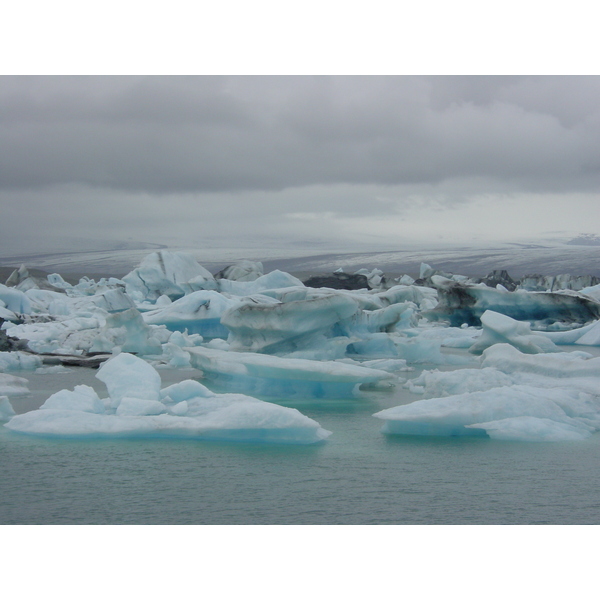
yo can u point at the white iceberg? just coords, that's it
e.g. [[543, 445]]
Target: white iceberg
[[573, 415], [173, 274], [10, 385], [15, 300], [138, 408], [199, 313], [540, 397], [19, 361]]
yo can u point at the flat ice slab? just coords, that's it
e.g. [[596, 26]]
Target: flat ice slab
[[271, 376]]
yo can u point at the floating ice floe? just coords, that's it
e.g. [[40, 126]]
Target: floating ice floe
[[515, 396], [137, 407], [274, 377]]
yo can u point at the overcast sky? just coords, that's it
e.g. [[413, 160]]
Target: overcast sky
[[304, 162]]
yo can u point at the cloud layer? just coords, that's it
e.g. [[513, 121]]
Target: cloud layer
[[296, 157], [184, 134]]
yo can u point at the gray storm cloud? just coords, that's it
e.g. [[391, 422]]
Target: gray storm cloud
[[225, 134]]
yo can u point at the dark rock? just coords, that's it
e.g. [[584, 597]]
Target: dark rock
[[338, 281], [8, 343], [66, 360], [500, 277]]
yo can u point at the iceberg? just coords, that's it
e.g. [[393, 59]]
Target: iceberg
[[572, 415], [173, 274], [281, 327], [514, 396], [15, 300], [499, 329], [10, 385], [275, 377], [589, 335], [244, 270], [199, 313], [19, 361], [461, 303], [137, 407], [7, 412], [272, 281]]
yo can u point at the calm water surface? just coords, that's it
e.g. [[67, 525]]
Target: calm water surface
[[358, 476]]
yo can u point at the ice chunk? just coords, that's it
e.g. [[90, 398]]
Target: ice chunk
[[114, 300], [13, 386], [126, 375], [7, 412], [592, 292], [15, 300], [275, 377], [175, 356], [545, 397], [128, 331], [509, 360], [199, 312], [498, 329], [460, 303], [185, 390], [57, 281], [244, 270], [173, 274], [189, 410], [19, 361], [424, 297], [277, 327], [382, 320], [82, 398], [242, 419], [468, 414], [273, 280], [7, 315], [589, 335], [450, 383]]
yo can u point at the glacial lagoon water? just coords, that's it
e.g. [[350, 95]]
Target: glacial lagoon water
[[358, 476]]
